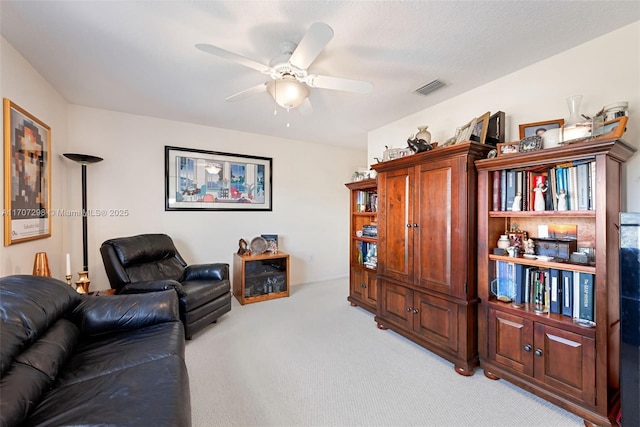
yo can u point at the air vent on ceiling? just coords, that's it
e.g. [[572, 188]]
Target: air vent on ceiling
[[430, 87]]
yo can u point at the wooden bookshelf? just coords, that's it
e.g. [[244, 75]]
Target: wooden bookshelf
[[549, 354]]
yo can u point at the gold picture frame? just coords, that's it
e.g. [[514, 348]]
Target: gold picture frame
[[613, 128], [479, 131], [27, 176]]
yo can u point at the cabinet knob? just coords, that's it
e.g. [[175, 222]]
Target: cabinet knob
[[415, 225], [527, 348], [408, 225], [415, 311], [409, 309], [364, 285], [538, 352]]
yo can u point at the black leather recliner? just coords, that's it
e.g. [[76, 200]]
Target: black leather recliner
[[151, 262]]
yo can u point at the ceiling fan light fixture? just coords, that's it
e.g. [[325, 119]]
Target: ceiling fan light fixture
[[288, 92]]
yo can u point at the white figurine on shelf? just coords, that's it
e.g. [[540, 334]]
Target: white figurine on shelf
[[562, 201], [539, 204], [517, 202], [529, 247]]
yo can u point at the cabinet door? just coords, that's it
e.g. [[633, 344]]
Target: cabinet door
[[436, 319], [395, 226], [434, 212], [565, 361], [370, 290], [396, 304], [511, 341], [357, 285]]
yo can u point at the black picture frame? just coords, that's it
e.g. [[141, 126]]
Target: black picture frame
[[495, 131], [201, 180]]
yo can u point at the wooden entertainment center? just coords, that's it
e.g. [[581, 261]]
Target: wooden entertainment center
[[426, 250]]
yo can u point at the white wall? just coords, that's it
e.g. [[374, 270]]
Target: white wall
[[25, 87], [604, 70], [310, 202]]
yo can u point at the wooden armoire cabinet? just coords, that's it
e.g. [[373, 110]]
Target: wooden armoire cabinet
[[427, 250]]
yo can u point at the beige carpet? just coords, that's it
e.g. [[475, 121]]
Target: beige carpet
[[313, 360]]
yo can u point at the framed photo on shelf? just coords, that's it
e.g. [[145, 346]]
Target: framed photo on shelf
[[508, 148], [613, 128], [465, 131], [530, 143], [539, 128], [272, 242], [495, 130], [479, 131], [517, 238], [199, 180], [27, 176]]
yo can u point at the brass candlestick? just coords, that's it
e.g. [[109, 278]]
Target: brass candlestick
[[82, 285], [69, 277]]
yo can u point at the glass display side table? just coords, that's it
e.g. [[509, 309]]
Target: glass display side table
[[260, 277]]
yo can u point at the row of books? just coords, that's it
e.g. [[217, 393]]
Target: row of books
[[367, 201], [368, 254], [567, 186], [570, 293]]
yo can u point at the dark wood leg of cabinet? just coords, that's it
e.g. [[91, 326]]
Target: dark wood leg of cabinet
[[490, 375], [382, 327], [463, 371]]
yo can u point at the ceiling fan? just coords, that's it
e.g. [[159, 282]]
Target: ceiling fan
[[290, 79]]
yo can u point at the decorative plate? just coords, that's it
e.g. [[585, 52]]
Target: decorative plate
[[258, 245]]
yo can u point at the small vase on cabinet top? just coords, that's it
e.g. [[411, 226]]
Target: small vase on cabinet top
[[424, 134]]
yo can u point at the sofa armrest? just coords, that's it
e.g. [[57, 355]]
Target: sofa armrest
[[218, 271], [101, 314], [153, 286]]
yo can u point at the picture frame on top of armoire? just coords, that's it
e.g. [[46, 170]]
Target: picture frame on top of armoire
[[27, 176]]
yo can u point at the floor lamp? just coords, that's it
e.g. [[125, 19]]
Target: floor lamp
[[84, 159]]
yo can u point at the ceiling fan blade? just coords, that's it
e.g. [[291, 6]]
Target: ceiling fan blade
[[305, 108], [234, 57], [339, 83], [311, 45], [262, 87]]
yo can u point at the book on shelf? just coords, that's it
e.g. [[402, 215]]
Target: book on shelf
[[503, 190], [555, 291], [520, 280], [586, 311], [495, 200], [567, 293], [511, 189], [583, 186]]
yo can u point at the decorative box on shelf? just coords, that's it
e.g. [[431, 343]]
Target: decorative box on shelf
[[557, 248]]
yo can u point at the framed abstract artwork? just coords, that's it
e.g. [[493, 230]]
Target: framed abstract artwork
[[198, 180], [27, 176]]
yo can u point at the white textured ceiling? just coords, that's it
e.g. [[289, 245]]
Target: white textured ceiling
[[139, 56]]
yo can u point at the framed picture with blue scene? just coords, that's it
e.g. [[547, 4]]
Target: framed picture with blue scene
[[200, 180]]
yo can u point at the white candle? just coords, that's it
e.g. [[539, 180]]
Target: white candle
[[68, 265]]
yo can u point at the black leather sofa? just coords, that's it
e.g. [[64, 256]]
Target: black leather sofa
[[151, 262], [70, 359]]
